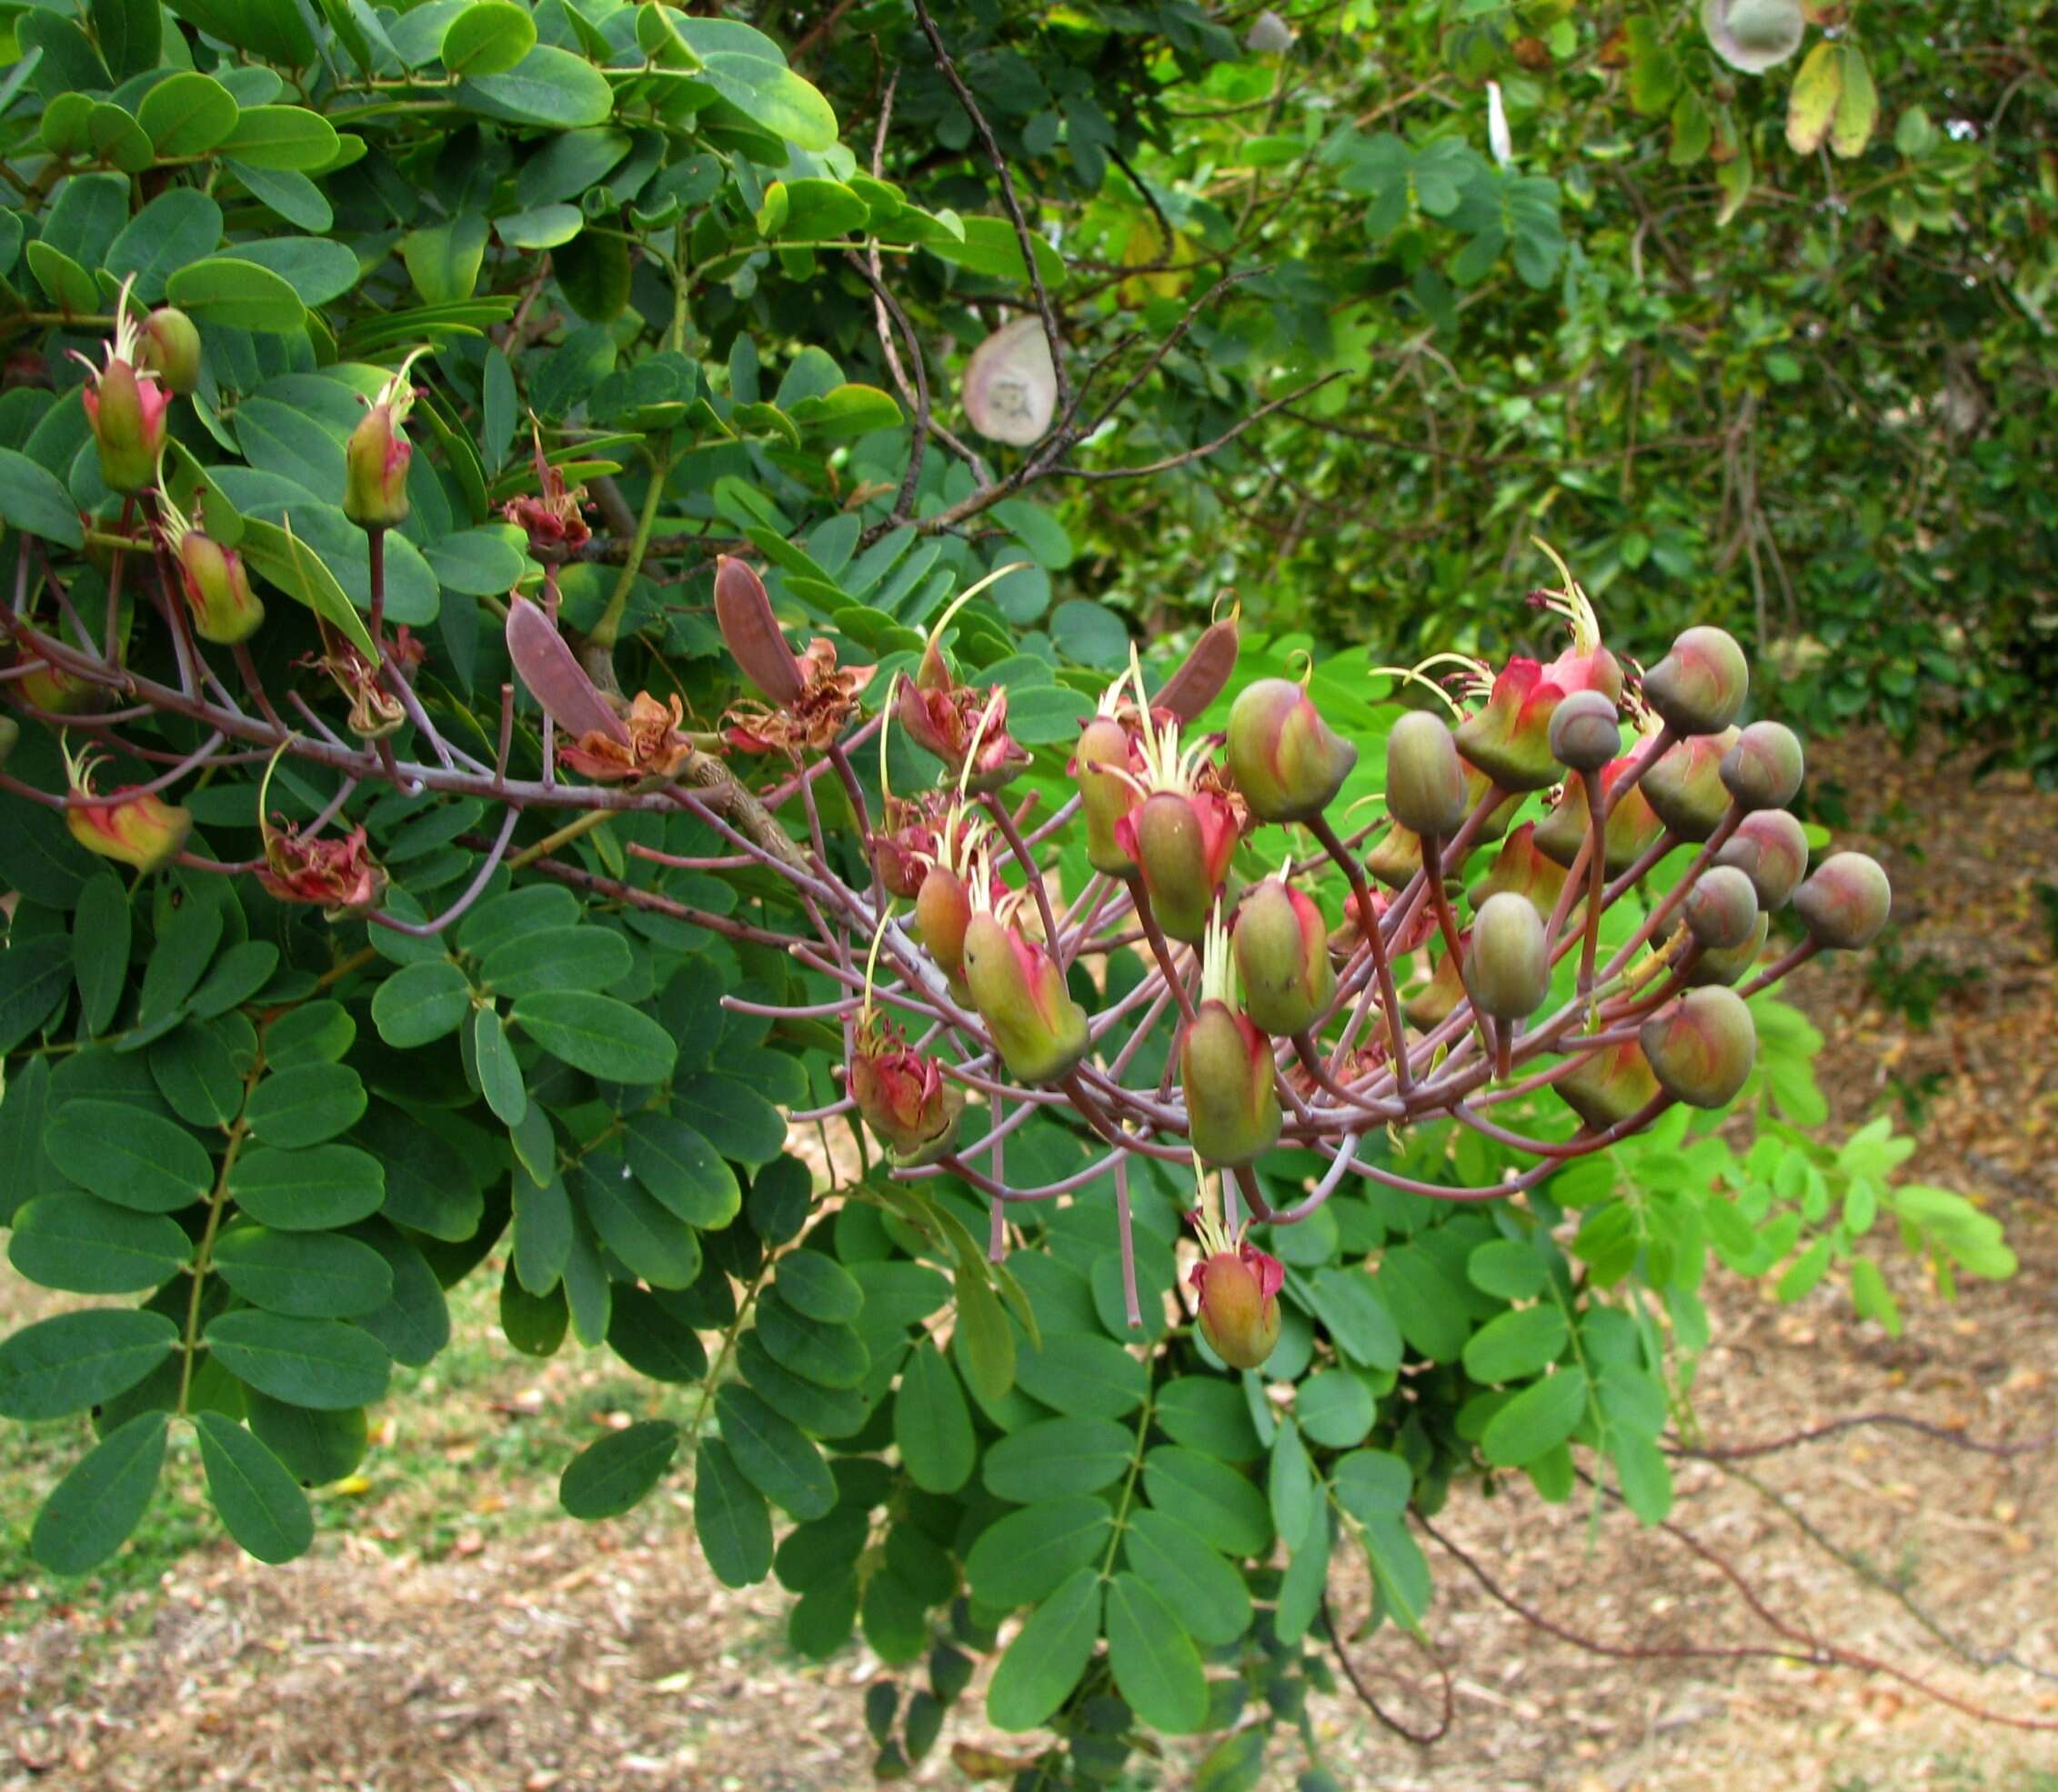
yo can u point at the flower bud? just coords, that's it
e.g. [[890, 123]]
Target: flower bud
[[376, 457], [943, 910], [1522, 870], [1283, 959], [1700, 685], [144, 831], [1285, 759], [956, 723], [1771, 848], [1510, 739], [1104, 797], [1845, 903], [126, 410], [1181, 845], [170, 348], [1686, 786], [743, 612], [55, 691], [1633, 824], [10, 732], [1726, 964], [904, 1098], [1585, 731], [1609, 1085], [1425, 779], [1020, 991], [1239, 1310], [1722, 908], [217, 590], [1702, 1047], [1396, 856], [1509, 961], [1762, 768], [1232, 1109]]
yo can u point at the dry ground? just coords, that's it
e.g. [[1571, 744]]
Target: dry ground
[[448, 1633]]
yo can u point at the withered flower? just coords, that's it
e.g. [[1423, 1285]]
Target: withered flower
[[814, 719], [657, 746]]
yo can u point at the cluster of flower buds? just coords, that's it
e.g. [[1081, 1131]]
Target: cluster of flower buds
[[1452, 989]]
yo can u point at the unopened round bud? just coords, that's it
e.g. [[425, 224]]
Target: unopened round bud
[[1771, 848], [1239, 1311], [1685, 787], [1285, 759], [1104, 797], [1508, 965], [1763, 769], [1232, 1109], [1727, 965], [170, 346], [1425, 778], [1702, 1047], [1585, 732], [1721, 909], [1700, 685], [943, 910], [1845, 903]]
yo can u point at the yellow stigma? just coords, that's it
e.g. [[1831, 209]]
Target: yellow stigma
[[1571, 602], [1218, 963]]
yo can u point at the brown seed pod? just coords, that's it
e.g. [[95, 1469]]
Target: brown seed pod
[[752, 634], [1204, 674]]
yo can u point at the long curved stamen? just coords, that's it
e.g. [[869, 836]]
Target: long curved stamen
[[1571, 602], [871, 957], [1218, 963], [964, 597], [994, 704], [1415, 675]]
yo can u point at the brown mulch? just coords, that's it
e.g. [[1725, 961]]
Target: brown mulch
[[596, 1657]]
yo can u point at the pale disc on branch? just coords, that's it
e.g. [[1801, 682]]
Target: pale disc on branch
[[1010, 386]]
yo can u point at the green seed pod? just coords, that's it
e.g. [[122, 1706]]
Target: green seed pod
[[1509, 961], [1702, 1047], [1283, 958], [1763, 769], [1232, 1109], [1721, 909], [1285, 759], [1727, 965], [1771, 848], [1845, 903], [1700, 685], [1685, 787], [1425, 778], [1586, 733]]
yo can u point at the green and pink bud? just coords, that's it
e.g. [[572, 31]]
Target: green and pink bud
[[1609, 1085], [1699, 686], [1727, 965], [943, 911], [1701, 1047], [127, 408], [1181, 842], [218, 597], [1106, 766], [1771, 848], [1232, 1109], [129, 826], [1686, 786], [1425, 778], [376, 457], [1633, 824], [1020, 991], [965, 728], [1283, 958], [1509, 738], [170, 348], [1721, 911], [1763, 766], [1237, 1288], [1285, 759], [1520, 869], [1846, 902], [53, 691], [903, 1098], [1586, 731]]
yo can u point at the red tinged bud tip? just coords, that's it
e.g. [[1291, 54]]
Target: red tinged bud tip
[[943, 910], [1586, 731], [126, 407], [1846, 902], [170, 348], [903, 1098], [1721, 909], [1522, 870], [216, 585], [1181, 843], [1701, 1047], [1632, 824], [1284, 758], [1232, 1109], [127, 825], [1609, 1085], [1771, 848], [1763, 769], [1699, 687]]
